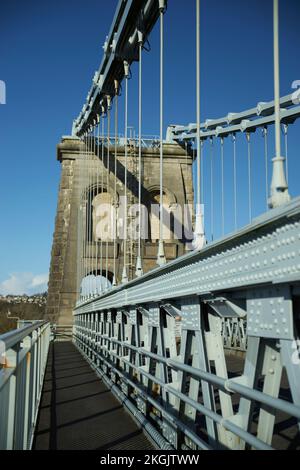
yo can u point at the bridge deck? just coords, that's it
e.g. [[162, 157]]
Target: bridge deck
[[78, 411]]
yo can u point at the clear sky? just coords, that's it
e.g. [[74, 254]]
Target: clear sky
[[49, 51]]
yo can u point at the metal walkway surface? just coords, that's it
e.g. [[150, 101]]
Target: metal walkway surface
[[78, 411]]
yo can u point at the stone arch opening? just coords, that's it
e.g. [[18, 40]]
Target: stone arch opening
[[95, 282]]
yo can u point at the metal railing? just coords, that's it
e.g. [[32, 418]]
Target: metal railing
[[182, 385], [24, 356]]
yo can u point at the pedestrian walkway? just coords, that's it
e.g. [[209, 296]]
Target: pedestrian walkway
[[78, 411]]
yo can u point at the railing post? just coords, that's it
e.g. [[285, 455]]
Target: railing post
[[27, 343], [33, 380], [8, 403]]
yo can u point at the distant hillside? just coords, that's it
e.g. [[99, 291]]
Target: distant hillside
[[23, 310]]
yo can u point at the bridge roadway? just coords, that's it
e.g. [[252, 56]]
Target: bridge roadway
[[79, 412]]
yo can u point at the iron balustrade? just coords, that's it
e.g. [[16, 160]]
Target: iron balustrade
[[179, 378], [24, 354]]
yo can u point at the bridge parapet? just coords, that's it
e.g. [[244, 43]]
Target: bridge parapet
[[24, 357], [158, 340]]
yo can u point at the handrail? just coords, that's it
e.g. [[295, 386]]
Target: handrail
[[11, 338], [21, 382]]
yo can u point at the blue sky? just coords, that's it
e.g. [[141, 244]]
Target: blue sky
[[49, 52]]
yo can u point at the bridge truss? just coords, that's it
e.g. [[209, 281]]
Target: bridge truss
[[159, 341], [130, 336]]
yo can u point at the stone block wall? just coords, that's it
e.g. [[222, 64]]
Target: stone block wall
[[178, 185]]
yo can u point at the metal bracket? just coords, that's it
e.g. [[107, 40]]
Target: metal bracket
[[224, 307], [190, 314], [113, 377], [154, 313], [170, 433], [125, 389], [119, 317], [172, 310], [143, 311], [132, 316], [141, 405], [270, 313]]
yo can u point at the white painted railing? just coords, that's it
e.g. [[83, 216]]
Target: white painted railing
[[23, 356]]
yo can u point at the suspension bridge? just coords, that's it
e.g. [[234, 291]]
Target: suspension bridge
[[164, 330]]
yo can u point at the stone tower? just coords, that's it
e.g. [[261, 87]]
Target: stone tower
[[63, 284]]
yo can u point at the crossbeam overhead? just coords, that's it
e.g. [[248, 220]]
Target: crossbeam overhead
[[249, 120]]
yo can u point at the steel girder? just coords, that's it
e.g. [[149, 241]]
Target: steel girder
[[158, 341], [266, 252]]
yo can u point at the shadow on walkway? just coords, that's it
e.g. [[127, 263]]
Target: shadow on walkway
[[77, 410]]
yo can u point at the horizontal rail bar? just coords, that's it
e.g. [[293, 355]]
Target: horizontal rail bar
[[14, 337], [21, 382], [249, 438], [224, 384]]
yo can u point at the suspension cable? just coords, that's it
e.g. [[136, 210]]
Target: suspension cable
[[265, 135], [102, 192], [161, 259], [95, 208], [222, 186], [279, 186], [82, 218], [198, 102], [89, 215], [139, 268], [115, 183], [234, 181], [91, 212], [85, 215], [91, 209], [285, 131], [124, 274], [249, 177], [199, 238], [211, 187], [276, 80], [94, 237], [78, 253], [79, 232], [202, 172], [107, 186]]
